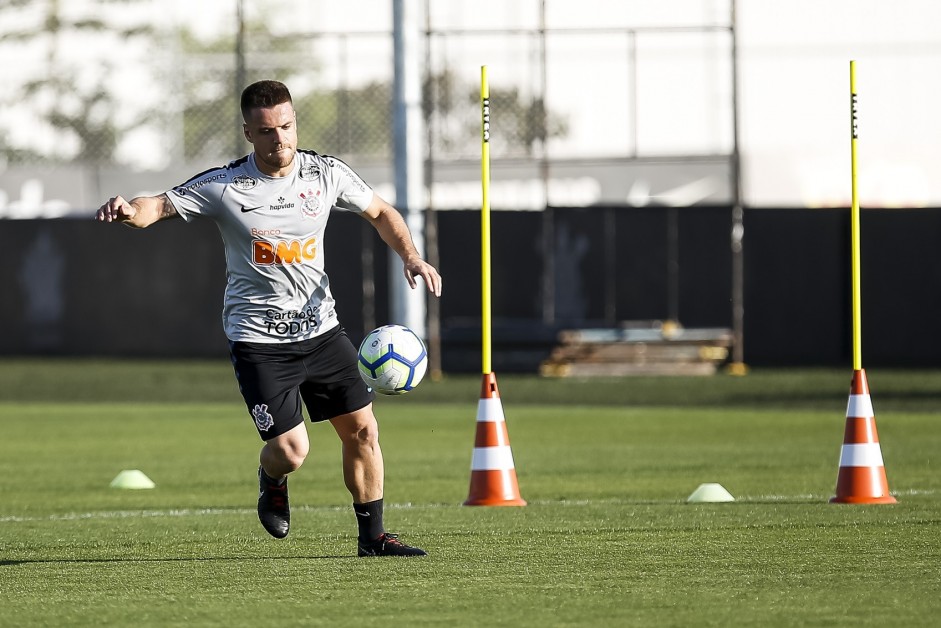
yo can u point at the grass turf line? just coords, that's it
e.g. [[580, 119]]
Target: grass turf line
[[606, 539]]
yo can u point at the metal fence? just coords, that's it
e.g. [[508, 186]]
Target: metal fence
[[601, 109]]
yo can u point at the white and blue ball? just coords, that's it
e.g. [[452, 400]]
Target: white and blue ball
[[392, 359]]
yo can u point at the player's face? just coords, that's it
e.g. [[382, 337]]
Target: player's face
[[273, 133]]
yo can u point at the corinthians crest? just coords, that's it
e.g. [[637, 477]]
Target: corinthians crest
[[311, 203], [263, 418]]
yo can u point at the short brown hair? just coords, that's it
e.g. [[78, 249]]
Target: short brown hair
[[264, 94]]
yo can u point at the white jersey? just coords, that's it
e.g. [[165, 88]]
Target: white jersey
[[272, 229]]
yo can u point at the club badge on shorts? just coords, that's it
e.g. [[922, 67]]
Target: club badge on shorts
[[263, 419]]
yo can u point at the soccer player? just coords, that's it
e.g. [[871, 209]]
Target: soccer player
[[286, 344]]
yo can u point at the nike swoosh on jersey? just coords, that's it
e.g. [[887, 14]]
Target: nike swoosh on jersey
[[250, 209]]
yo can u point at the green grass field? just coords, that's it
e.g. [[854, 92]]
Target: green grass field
[[606, 540]]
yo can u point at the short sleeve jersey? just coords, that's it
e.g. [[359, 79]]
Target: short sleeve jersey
[[272, 229]]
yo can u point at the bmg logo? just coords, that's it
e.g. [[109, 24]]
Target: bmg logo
[[282, 252]]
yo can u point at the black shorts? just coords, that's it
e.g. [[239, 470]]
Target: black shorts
[[274, 377]]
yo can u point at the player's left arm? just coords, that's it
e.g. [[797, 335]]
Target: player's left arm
[[392, 229]]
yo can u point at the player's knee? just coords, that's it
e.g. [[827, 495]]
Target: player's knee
[[358, 430], [291, 453], [365, 436], [369, 434]]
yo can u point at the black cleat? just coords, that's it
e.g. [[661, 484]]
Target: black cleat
[[273, 509], [389, 545]]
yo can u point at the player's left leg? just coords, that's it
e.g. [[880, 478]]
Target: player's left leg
[[363, 469], [363, 472]]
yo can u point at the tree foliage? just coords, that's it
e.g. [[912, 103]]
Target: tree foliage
[[69, 95], [74, 98], [524, 124]]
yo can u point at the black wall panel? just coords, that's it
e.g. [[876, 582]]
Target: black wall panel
[[76, 287]]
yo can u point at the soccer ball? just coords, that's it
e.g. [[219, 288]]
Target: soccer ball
[[392, 359]]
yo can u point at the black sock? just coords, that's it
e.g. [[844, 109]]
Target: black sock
[[270, 480], [369, 519]]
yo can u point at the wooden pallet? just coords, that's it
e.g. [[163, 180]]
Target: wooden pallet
[[654, 349]]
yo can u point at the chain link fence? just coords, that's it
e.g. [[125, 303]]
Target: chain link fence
[[99, 92]]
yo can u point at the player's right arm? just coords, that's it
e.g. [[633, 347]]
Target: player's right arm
[[140, 212]]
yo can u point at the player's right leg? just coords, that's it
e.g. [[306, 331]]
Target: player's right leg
[[268, 377], [279, 457], [285, 453]]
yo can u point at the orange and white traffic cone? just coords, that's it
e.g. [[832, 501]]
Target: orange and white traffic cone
[[862, 472], [493, 475]]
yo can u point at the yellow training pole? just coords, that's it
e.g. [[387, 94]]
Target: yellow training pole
[[485, 217], [493, 472], [857, 316], [861, 478]]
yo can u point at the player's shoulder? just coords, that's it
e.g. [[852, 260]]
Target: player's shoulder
[[306, 156], [340, 168], [309, 156], [313, 161], [233, 173]]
